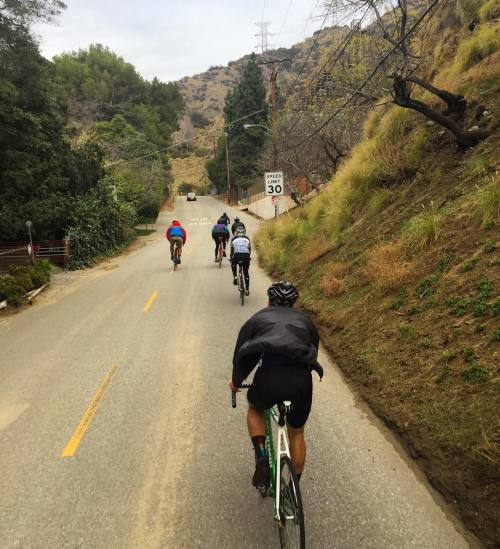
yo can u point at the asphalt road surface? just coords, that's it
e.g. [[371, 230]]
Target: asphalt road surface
[[116, 428]]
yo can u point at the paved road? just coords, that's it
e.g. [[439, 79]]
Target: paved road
[[164, 461]]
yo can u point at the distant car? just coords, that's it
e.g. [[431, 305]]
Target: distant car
[[191, 196]]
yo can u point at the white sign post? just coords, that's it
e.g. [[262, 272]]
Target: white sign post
[[275, 188]]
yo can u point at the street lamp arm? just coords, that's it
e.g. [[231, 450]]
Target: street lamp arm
[[246, 126]]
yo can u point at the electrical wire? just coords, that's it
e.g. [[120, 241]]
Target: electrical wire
[[370, 76], [206, 132]]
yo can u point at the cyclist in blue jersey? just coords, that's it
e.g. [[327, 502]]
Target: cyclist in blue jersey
[[220, 232]]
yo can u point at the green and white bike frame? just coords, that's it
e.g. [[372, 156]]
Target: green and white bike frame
[[283, 449]]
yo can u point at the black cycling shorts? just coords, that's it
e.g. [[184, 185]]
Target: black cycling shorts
[[273, 384]]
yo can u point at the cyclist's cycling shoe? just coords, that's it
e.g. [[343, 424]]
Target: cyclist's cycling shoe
[[216, 260], [235, 281], [262, 476], [247, 292], [224, 254], [179, 261]]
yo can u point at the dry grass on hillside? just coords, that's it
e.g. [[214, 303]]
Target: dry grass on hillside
[[388, 266]]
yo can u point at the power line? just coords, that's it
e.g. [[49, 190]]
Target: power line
[[370, 76], [286, 16], [206, 132]]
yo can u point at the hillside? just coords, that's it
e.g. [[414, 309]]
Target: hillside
[[397, 260], [204, 93]]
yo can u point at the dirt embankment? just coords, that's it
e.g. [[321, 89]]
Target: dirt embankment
[[398, 262]]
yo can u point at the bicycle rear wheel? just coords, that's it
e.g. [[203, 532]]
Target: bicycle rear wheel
[[241, 287], [291, 528]]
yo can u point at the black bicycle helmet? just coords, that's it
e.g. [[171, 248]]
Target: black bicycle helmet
[[283, 293], [236, 219]]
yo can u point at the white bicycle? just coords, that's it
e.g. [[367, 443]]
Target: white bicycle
[[285, 488]]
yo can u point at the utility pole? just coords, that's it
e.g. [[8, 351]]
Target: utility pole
[[227, 171], [274, 114]]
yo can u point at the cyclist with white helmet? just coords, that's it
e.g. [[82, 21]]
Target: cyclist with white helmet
[[240, 253], [284, 342]]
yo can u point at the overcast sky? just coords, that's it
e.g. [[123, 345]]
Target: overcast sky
[[175, 38]]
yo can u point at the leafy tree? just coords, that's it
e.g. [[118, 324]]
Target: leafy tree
[[23, 12], [36, 159], [244, 104]]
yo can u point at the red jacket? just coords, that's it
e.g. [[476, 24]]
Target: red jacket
[[176, 229]]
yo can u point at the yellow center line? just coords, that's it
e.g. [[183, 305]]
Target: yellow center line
[[75, 440], [150, 301]]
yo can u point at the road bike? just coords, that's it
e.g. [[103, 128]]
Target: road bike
[[285, 488], [242, 287], [220, 252], [176, 256]]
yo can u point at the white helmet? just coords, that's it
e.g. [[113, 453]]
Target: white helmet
[[240, 231]]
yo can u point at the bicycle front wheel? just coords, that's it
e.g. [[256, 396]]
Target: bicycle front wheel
[[291, 528]]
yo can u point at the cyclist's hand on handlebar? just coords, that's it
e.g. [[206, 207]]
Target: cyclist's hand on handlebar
[[233, 388]]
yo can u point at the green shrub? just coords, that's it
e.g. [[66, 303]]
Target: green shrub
[[489, 246], [11, 290], [468, 9], [400, 300], [489, 10], [469, 354], [423, 229], [475, 374], [457, 305], [496, 334], [484, 42], [378, 201], [487, 207], [21, 279], [99, 225], [469, 265]]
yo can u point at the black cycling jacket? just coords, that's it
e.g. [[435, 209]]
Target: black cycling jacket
[[279, 331], [237, 224]]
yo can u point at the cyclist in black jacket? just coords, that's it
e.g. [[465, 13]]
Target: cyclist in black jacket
[[237, 223], [286, 342]]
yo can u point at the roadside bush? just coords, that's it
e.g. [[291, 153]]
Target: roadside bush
[[21, 279], [99, 225]]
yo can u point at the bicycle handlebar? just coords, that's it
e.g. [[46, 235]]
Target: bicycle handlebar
[[233, 394]]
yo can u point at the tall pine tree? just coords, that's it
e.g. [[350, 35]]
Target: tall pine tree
[[245, 146]]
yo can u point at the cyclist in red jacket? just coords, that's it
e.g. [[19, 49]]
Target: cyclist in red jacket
[[176, 235]]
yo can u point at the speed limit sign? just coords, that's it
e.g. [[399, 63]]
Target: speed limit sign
[[274, 183]]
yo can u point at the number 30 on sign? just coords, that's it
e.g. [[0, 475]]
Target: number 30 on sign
[[274, 183]]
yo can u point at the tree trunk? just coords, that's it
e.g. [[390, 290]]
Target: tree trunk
[[456, 103], [402, 98]]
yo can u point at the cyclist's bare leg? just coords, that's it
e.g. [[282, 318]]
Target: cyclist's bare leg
[[297, 448], [256, 422], [172, 246], [179, 248]]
